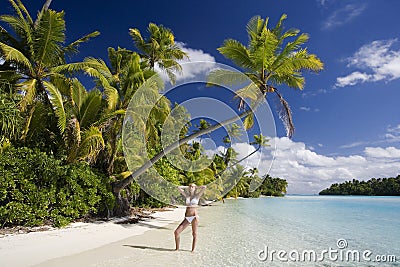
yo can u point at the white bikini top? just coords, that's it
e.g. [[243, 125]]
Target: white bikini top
[[194, 201]]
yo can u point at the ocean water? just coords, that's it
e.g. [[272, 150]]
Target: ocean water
[[303, 230], [291, 231]]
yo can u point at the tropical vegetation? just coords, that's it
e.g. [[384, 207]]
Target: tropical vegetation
[[372, 187], [61, 153]]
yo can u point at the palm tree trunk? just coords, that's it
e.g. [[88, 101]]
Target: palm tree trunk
[[110, 168], [119, 185], [47, 4]]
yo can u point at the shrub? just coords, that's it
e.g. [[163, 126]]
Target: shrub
[[36, 188]]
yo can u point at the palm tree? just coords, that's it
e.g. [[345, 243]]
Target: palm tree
[[159, 49], [83, 136], [36, 48], [269, 60]]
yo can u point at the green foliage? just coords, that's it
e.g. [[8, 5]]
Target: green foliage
[[10, 118], [273, 186], [36, 189], [269, 187], [159, 48], [372, 187], [30, 50]]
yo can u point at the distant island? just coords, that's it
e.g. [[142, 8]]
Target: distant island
[[373, 187]]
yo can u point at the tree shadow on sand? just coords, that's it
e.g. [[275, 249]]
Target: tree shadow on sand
[[155, 248]]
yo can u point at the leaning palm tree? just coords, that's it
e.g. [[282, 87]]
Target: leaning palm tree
[[269, 60], [31, 52], [159, 49]]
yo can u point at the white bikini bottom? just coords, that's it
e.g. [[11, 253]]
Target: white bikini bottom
[[191, 218]]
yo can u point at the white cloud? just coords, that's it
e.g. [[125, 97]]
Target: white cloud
[[343, 15], [354, 144], [352, 79], [322, 2], [382, 63], [314, 93], [191, 70], [305, 108], [392, 135], [309, 109], [379, 152], [309, 172]]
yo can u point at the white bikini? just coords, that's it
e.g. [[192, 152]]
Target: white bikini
[[194, 201]]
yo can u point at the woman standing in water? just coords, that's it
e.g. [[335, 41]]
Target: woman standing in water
[[192, 200]]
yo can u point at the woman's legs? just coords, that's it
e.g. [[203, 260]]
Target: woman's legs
[[195, 224], [178, 231]]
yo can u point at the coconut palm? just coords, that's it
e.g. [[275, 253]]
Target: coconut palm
[[35, 48], [159, 49], [84, 132], [269, 60]]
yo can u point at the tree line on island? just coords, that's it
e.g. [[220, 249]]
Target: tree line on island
[[61, 154], [372, 187]]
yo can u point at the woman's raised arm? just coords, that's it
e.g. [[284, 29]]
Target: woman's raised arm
[[181, 189], [202, 189]]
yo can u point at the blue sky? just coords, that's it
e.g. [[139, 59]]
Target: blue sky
[[347, 118]]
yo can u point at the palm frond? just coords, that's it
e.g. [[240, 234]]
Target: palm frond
[[289, 49], [107, 116], [220, 77], [78, 92], [285, 115], [263, 49], [301, 60], [90, 108], [100, 66], [13, 55], [23, 30], [254, 27], [25, 11], [49, 36], [92, 143], [250, 91], [62, 83], [73, 47], [277, 30], [291, 79], [237, 52], [138, 39], [57, 103], [112, 97], [248, 121], [28, 89], [7, 38]]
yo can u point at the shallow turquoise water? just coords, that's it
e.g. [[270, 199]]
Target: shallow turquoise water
[[233, 234]]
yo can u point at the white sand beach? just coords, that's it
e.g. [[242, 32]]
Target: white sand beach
[[40, 248]]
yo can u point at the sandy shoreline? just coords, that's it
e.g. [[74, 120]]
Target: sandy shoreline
[[39, 247]]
